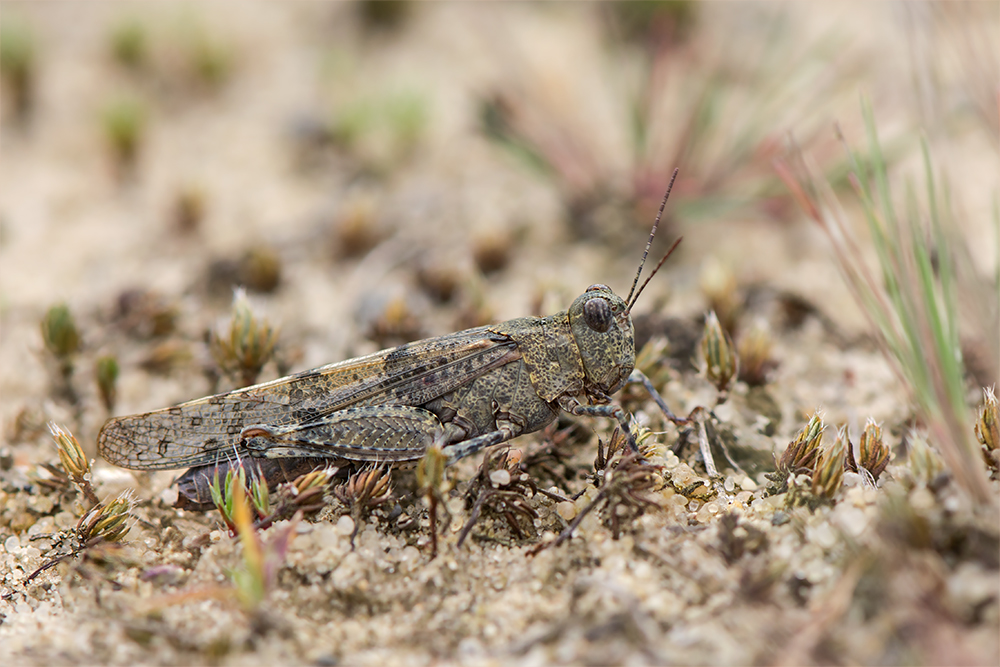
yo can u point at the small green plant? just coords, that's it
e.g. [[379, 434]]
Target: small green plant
[[130, 44], [260, 269], [242, 350], [227, 492], [718, 284], [62, 341], [106, 373], [257, 576], [211, 59], [18, 65], [59, 332], [123, 121], [913, 308], [382, 128]]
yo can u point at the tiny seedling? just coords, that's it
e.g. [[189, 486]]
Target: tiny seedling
[[124, 123], [242, 350], [106, 374], [19, 65], [62, 341]]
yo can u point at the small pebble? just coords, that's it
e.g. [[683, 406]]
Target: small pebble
[[500, 477], [566, 510], [345, 525]]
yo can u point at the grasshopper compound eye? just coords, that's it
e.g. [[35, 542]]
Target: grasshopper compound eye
[[597, 314]]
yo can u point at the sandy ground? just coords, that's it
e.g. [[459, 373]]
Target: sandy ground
[[324, 128]]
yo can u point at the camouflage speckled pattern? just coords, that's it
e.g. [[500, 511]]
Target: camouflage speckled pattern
[[463, 392]]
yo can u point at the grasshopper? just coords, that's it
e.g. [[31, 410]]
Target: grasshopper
[[461, 392]]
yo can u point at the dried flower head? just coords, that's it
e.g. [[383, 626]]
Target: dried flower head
[[365, 489], [311, 483], [717, 354], [260, 269], [247, 345], [357, 229], [799, 457], [873, 454], [755, 354], [925, 463], [802, 453], [718, 284], [110, 522], [71, 455], [829, 473], [492, 250], [303, 495], [987, 428], [74, 461], [395, 320]]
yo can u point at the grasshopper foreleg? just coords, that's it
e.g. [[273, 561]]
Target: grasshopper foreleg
[[616, 412], [638, 377]]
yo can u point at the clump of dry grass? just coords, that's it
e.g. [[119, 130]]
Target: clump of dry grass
[[913, 302]]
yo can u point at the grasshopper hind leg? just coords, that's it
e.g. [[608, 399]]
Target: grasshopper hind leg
[[459, 450]]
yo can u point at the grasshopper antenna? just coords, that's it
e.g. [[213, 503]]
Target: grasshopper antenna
[[629, 300], [628, 307], [652, 234]]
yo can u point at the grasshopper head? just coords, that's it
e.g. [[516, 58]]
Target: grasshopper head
[[602, 327]]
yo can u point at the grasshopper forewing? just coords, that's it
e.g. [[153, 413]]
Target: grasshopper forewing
[[461, 392]]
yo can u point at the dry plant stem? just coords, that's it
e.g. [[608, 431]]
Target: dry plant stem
[[634, 466], [516, 501], [699, 415], [508, 497], [49, 564]]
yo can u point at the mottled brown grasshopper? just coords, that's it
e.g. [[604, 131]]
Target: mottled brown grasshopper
[[461, 392]]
